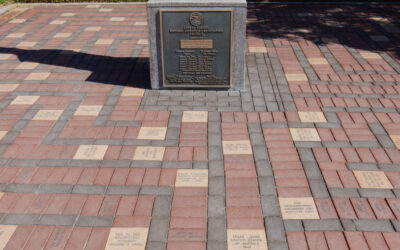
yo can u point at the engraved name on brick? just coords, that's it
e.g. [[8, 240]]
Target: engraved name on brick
[[246, 239], [195, 116], [91, 152], [372, 179], [149, 153], [127, 238], [304, 134], [192, 178], [316, 117], [89, 110], [47, 115], [236, 147], [152, 133], [298, 208]]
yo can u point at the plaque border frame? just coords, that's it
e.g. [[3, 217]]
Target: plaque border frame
[[184, 86]]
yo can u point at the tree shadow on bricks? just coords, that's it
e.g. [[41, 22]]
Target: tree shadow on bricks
[[125, 71], [357, 26]]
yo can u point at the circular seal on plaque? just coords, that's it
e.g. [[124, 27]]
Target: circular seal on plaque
[[196, 19]]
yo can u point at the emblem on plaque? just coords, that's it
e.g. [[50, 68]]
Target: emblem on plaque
[[196, 19]]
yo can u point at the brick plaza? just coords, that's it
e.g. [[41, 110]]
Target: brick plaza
[[308, 157]]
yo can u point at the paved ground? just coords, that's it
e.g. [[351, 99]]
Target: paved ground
[[305, 158]]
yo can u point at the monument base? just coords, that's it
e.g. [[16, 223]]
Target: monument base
[[197, 45]]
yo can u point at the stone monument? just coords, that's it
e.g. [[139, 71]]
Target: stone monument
[[197, 44]]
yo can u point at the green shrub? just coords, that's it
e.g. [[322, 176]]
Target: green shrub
[[5, 2]]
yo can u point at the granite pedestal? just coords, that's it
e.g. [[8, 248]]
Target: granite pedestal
[[197, 44]]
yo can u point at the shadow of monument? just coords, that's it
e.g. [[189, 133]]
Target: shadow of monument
[[124, 71], [320, 24], [324, 24]]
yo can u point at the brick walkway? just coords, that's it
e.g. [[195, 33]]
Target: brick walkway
[[307, 158]]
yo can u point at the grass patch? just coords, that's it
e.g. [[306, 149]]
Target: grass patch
[[4, 2]]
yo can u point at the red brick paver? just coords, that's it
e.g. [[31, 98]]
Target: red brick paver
[[76, 167]]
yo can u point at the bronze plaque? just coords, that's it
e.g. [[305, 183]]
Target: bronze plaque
[[196, 48]]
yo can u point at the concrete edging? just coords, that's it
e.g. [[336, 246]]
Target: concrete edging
[[6, 8]]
